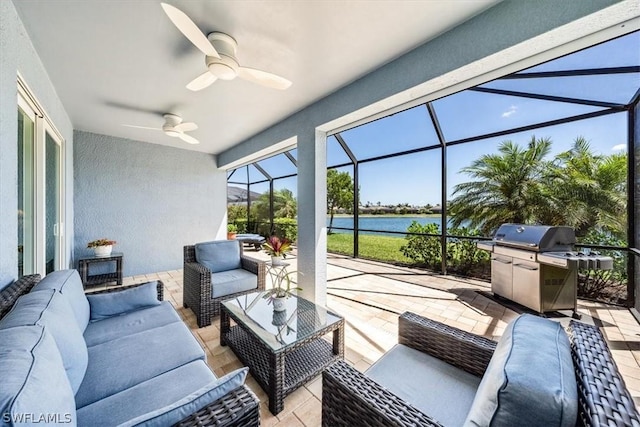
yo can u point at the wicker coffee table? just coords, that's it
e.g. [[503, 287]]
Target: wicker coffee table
[[283, 350]]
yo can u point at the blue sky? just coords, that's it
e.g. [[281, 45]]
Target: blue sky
[[415, 179]]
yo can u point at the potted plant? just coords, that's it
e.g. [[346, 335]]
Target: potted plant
[[277, 248], [232, 231], [282, 289], [101, 247]]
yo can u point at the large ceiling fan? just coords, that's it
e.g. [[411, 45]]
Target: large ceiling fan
[[174, 127], [220, 50]]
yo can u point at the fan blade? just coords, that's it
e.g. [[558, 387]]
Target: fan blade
[[189, 29], [203, 80], [188, 138], [263, 78], [141, 127], [186, 127]]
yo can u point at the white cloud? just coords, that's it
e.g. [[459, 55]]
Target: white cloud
[[512, 110], [619, 147]]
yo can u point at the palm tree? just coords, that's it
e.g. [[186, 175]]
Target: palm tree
[[587, 190], [507, 187]]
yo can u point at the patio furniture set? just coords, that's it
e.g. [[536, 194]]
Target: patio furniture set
[[124, 357]]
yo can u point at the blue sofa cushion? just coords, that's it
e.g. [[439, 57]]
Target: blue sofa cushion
[[529, 380], [219, 255], [50, 309], [232, 281], [34, 383], [163, 400], [68, 283], [115, 303], [130, 323], [121, 363], [427, 383]]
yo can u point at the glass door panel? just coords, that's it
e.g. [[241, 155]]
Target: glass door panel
[[26, 193], [52, 203]]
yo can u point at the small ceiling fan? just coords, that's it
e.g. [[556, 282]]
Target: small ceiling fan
[[220, 55], [174, 127]]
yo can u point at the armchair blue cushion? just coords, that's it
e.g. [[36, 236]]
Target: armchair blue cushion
[[50, 309], [519, 374], [68, 283], [219, 255], [34, 382], [116, 303]]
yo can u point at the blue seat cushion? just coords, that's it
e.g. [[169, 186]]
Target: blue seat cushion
[[68, 283], [530, 379], [34, 382], [429, 384], [121, 363], [162, 400], [232, 281], [50, 309], [219, 255], [114, 327], [105, 305]]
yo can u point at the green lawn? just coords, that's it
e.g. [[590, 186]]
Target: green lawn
[[382, 248]]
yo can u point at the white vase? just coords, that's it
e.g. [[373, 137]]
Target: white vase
[[277, 260], [279, 304], [103, 250]]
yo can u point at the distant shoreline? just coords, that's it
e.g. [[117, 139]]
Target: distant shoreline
[[387, 216]]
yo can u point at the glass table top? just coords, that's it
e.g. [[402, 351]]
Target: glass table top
[[279, 329]]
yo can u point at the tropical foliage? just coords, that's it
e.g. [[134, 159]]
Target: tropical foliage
[[276, 246], [521, 185], [339, 193]]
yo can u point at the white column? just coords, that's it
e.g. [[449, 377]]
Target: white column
[[312, 214]]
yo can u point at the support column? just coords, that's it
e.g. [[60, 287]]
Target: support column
[[634, 157], [312, 216]]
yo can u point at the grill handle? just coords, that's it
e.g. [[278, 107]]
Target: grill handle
[[526, 267]]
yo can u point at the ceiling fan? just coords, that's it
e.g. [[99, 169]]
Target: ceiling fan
[[220, 50], [174, 127]]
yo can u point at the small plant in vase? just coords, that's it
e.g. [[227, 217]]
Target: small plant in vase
[[277, 248], [101, 247], [282, 289], [232, 231]]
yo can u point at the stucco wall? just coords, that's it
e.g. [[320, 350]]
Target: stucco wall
[[150, 198], [18, 55]]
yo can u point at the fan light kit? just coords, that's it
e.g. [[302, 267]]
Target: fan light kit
[[220, 55]]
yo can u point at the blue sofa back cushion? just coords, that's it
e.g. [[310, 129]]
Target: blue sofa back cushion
[[68, 283], [529, 380], [50, 309], [110, 304], [219, 255], [34, 387]]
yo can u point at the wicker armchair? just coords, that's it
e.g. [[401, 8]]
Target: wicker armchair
[[197, 286], [350, 397]]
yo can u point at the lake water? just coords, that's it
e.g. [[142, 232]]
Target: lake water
[[382, 223]]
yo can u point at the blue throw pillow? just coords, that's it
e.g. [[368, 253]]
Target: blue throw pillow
[[50, 309], [219, 255], [530, 379], [68, 283], [35, 389], [181, 409], [119, 302]]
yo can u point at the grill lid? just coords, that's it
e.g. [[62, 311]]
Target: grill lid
[[541, 238]]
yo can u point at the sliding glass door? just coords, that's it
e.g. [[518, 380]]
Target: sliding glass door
[[40, 190]]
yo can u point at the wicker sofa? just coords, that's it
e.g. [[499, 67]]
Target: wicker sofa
[[596, 390], [225, 273], [115, 357]]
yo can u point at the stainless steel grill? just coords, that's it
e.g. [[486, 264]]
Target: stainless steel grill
[[536, 266]]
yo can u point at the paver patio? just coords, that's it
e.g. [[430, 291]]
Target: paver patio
[[371, 295]]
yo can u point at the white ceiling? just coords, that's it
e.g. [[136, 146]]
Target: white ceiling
[[124, 62]]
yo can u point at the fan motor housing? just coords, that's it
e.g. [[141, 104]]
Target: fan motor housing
[[225, 67]]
